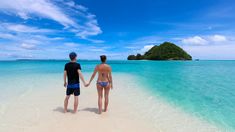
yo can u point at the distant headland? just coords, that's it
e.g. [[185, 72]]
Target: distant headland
[[165, 51]]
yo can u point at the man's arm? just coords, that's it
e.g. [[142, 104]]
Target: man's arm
[[110, 78], [93, 75], [65, 78], [81, 76]]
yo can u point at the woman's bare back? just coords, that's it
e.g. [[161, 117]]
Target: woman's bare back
[[103, 72]]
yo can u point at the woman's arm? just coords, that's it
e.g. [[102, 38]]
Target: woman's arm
[[110, 78], [93, 75]]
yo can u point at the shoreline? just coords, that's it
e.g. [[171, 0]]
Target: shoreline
[[130, 109]]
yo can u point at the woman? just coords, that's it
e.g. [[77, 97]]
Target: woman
[[104, 82]]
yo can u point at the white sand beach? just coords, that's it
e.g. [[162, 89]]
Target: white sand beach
[[131, 110]]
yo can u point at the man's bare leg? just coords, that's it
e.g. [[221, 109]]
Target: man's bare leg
[[106, 94], [75, 104], [100, 96], [66, 100]]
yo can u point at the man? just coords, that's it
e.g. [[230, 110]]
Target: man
[[72, 71], [104, 82]]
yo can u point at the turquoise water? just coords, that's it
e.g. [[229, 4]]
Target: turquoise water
[[203, 88]]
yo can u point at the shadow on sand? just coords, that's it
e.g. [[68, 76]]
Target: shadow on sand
[[61, 110], [93, 110]]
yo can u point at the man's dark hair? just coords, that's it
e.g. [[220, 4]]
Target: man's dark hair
[[103, 58], [72, 55]]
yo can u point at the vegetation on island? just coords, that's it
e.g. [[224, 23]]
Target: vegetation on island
[[165, 51]]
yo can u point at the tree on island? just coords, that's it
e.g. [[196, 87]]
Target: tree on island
[[131, 57], [165, 51]]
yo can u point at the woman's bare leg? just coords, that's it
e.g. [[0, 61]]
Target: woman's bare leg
[[100, 96], [106, 94]]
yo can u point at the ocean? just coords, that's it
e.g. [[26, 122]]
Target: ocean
[[205, 89]]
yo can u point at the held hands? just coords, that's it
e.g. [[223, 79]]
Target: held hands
[[87, 84]]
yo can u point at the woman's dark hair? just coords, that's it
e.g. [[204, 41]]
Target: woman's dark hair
[[103, 58]]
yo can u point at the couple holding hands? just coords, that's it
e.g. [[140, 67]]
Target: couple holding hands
[[73, 74]]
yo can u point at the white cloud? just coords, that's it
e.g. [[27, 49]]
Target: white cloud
[[18, 33], [95, 40], [15, 56], [82, 8], [145, 49], [143, 44], [218, 52], [131, 47], [45, 38], [204, 40], [42, 8], [218, 38], [7, 36], [73, 17], [97, 50], [72, 45], [28, 46], [90, 28], [23, 15], [70, 3], [196, 40], [217, 47], [148, 40], [24, 28], [73, 4]]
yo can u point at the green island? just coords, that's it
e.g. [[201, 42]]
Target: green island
[[165, 51]]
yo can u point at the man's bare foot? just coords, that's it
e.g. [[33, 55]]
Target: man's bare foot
[[65, 111]]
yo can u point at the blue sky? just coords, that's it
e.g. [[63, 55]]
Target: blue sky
[[50, 29]]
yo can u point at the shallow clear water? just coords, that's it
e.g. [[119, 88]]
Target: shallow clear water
[[203, 88]]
